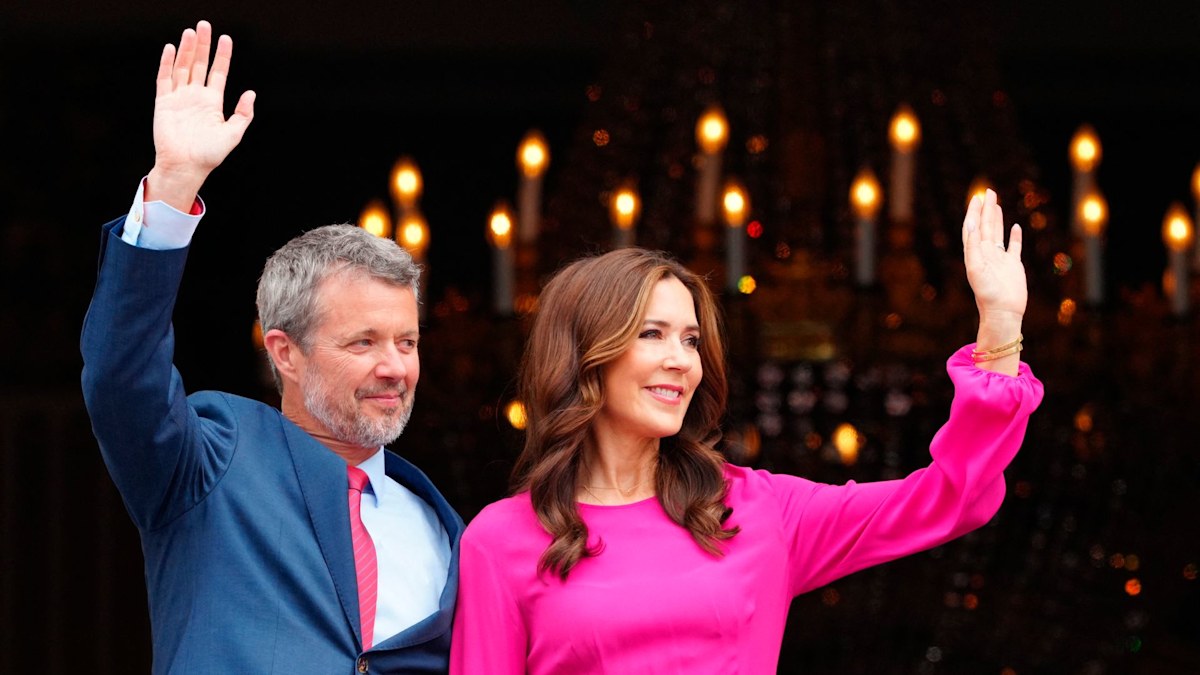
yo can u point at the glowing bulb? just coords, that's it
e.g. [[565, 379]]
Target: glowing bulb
[[747, 285], [865, 194], [904, 130], [712, 131], [846, 440], [515, 412], [736, 204], [1085, 149], [406, 182], [500, 226], [1177, 228], [1093, 214], [414, 235], [625, 208], [375, 219], [533, 155]]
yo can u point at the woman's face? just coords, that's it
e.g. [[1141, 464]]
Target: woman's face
[[648, 388]]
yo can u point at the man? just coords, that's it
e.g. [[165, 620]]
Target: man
[[275, 541]]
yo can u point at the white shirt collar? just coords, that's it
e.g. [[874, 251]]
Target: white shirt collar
[[376, 469]]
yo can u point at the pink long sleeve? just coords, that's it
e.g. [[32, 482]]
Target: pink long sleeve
[[653, 602], [837, 530]]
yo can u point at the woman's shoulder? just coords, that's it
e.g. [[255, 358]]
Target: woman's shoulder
[[502, 517]]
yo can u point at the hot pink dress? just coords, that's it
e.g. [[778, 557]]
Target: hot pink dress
[[654, 602]]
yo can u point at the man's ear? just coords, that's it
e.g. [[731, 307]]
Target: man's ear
[[285, 353]]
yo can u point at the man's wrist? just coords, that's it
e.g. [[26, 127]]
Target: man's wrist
[[177, 188]]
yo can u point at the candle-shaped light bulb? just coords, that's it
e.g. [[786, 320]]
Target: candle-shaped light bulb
[[846, 441], [500, 235], [865, 200], [375, 219], [533, 157], [736, 205], [712, 134], [625, 207], [904, 133], [406, 184], [1093, 218], [1178, 235]]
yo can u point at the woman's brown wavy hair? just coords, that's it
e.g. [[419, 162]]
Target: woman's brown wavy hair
[[588, 315]]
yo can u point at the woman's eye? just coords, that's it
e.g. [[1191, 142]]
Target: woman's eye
[[692, 341], [652, 333]]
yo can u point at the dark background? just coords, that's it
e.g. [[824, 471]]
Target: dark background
[[343, 92]]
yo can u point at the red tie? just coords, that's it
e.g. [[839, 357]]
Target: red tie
[[364, 558]]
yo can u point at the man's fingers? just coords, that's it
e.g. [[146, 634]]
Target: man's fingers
[[163, 81], [220, 65], [203, 42], [183, 58]]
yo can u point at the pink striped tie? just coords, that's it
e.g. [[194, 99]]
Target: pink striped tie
[[364, 558]]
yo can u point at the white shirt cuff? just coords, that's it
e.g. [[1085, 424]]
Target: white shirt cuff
[[157, 225]]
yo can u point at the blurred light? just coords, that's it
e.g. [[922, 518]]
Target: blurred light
[[600, 137], [625, 207], [533, 155], [971, 601], [1196, 183], [847, 442], [375, 219], [526, 303], [1189, 571], [979, 188], [256, 334], [904, 132], [1037, 220], [812, 440], [754, 229], [865, 194], [746, 285], [1177, 228], [783, 251], [893, 321], [712, 131], [593, 92], [1066, 311], [752, 441], [1085, 149], [756, 144], [500, 225], [830, 597], [1116, 561], [1133, 586], [735, 203], [515, 413], [1093, 213], [1132, 562], [1135, 644], [406, 182], [414, 235], [1062, 263], [1083, 419]]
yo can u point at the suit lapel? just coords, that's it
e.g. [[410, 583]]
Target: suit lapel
[[322, 478]]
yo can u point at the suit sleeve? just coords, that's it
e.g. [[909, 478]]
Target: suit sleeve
[[489, 632], [837, 530], [163, 457]]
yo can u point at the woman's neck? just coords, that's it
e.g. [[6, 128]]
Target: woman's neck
[[618, 475]]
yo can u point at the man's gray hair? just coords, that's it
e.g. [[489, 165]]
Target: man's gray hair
[[292, 276]]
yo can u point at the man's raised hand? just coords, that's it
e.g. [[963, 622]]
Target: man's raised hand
[[191, 134]]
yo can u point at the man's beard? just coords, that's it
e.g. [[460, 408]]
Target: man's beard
[[346, 422]]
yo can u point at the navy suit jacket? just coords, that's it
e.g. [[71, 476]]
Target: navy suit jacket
[[243, 516]]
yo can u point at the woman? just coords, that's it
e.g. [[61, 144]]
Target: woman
[[630, 546]]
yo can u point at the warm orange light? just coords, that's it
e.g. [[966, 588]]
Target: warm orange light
[[625, 207], [406, 182], [735, 203], [1196, 184], [414, 234], [1177, 228], [500, 225], [515, 412], [1133, 586], [904, 131], [712, 131], [375, 219], [533, 155], [256, 334], [1085, 149], [865, 194], [846, 441], [747, 285], [978, 188], [1093, 214]]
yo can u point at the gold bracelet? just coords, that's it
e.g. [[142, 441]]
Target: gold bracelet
[[992, 355], [1001, 348]]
